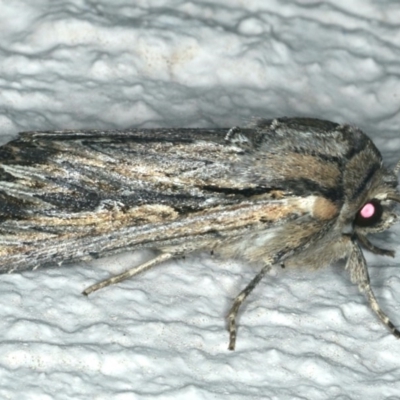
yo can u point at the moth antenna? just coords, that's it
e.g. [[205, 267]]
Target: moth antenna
[[394, 197], [397, 168]]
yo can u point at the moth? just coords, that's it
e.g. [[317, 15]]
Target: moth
[[285, 192]]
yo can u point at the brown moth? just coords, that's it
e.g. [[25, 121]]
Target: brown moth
[[290, 191]]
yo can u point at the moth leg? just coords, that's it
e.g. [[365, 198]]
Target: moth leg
[[374, 249], [381, 315], [357, 266], [238, 302], [128, 273]]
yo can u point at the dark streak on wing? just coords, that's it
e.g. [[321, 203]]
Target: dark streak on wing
[[182, 135], [307, 186], [245, 192]]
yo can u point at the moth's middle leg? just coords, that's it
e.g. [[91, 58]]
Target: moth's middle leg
[[238, 302]]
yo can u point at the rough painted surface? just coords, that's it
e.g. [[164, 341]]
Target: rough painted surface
[[303, 335]]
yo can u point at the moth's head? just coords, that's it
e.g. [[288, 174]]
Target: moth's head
[[376, 213], [370, 199]]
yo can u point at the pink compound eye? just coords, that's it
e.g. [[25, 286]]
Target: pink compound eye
[[369, 214], [367, 211]]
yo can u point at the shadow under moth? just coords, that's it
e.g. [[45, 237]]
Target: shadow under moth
[[289, 192]]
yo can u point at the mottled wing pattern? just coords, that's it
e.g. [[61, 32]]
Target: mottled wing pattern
[[72, 195]]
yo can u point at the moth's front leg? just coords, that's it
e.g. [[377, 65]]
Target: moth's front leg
[[357, 267], [374, 249]]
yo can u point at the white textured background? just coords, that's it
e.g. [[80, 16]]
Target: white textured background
[[120, 64]]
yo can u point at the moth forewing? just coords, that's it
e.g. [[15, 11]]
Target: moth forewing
[[293, 192]]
